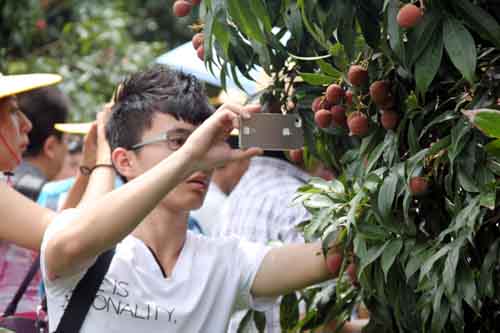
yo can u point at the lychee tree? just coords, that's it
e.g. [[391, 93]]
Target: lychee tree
[[399, 98]]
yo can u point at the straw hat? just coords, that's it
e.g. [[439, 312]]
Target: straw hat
[[74, 128], [15, 84]]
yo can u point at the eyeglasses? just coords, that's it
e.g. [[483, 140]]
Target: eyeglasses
[[174, 139]]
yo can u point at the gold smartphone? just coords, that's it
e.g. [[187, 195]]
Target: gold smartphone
[[272, 131]]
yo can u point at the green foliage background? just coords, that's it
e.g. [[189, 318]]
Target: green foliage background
[[92, 44]]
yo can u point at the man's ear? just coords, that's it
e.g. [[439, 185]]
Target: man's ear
[[50, 146], [124, 162]]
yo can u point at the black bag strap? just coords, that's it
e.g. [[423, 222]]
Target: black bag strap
[[84, 294], [14, 302]]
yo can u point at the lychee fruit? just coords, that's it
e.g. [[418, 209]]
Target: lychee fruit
[[389, 119], [41, 24], [349, 97], [357, 75], [380, 92], [409, 16], [316, 104], [418, 185], [351, 271], [297, 156], [358, 124], [182, 8], [200, 52], [339, 117], [323, 118], [387, 104], [333, 262], [334, 94], [197, 40]]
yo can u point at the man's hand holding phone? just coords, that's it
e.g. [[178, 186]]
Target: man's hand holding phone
[[207, 145]]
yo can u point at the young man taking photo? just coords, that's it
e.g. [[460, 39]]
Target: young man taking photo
[[165, 143]]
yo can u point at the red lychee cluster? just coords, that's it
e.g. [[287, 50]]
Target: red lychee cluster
[[332, 108], [381, 95], [329, 109]]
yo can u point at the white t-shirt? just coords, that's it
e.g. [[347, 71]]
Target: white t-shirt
[[211, 279]]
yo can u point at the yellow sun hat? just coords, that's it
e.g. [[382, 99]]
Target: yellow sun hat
[[74, 128], [15, 84]]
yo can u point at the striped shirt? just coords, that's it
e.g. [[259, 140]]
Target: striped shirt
[[259, 210]]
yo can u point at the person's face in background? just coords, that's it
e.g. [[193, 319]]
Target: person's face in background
[[57, 152], [70, 166], [14, 129], [72, 160]]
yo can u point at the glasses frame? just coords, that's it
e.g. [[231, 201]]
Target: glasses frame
[[163, 137]]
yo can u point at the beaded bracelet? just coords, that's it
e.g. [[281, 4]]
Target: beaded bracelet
[[86, 171]]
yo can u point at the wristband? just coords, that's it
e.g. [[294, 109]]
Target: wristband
[[86, 171]]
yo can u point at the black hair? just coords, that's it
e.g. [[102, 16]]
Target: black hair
[[44, 107], [158, 89]]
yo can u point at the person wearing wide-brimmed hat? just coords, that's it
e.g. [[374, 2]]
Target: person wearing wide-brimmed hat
[[15, 138], [26, 221]]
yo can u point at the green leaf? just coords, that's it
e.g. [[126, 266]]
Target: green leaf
[[393, 29], [390, 253], [289, 311], [466, 286], [429, 263], [293, 21], [373, 254], [479, 20], [459, 134], [386, 195], [360, 247], [427, 65], [247, 21], [221, 33], [415, 263], [493, 148], [488, 196], [441, 311], [316, 79], [466, 182], [245, 324], [347, 30], [259, 318], [444, 117], [370, 231], [412, 139], [260, 11], [450, 268], [486, 120], [420, 37], [461, 47], [328, 69], [486, 285], [369, 23]]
